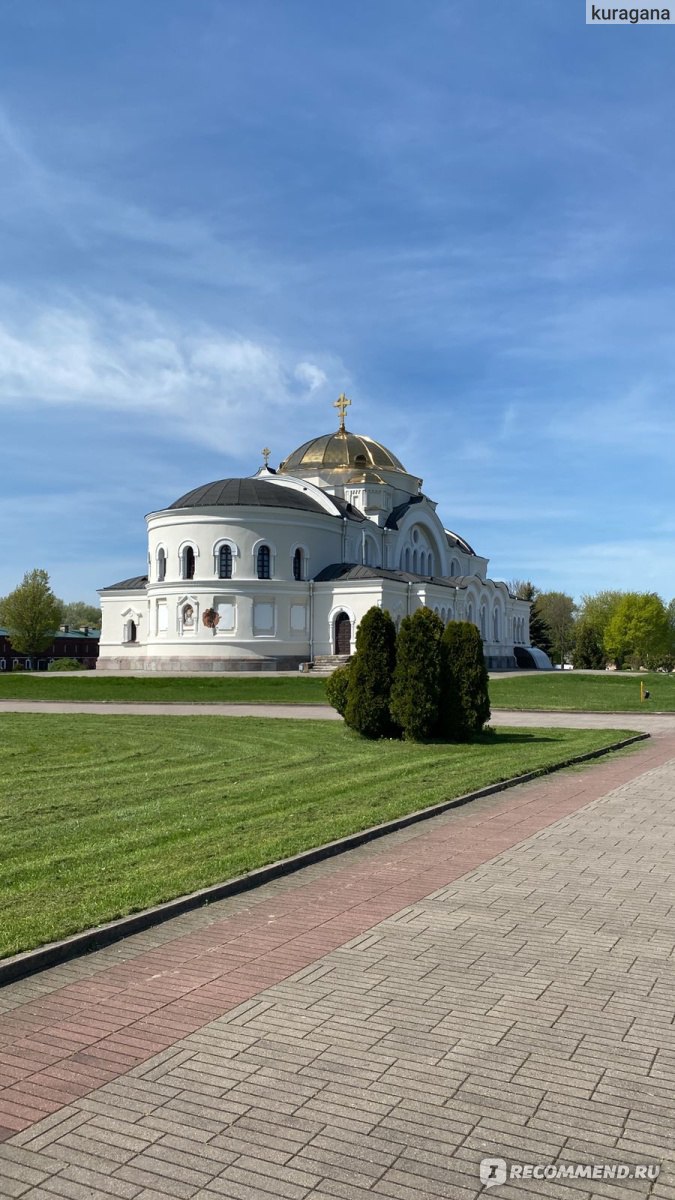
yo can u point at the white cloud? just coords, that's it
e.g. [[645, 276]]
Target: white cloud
[[218, 388], [311, 375]]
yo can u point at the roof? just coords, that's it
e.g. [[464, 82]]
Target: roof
[[400, 511], [457, 542], [346, 509], [137, 583], [251, 493], [92, 634], [349, 572], [338, 450]]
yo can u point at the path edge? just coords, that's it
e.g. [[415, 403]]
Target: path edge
[[19, 966]]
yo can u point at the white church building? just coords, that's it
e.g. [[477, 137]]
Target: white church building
[[276, 570]]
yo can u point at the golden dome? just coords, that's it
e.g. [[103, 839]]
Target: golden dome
[[334, 451]]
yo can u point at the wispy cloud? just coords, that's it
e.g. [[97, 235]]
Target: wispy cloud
[[212, 388]]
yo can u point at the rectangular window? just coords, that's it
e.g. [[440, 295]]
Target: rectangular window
[[263, 618], [298, 618], [227, 614]]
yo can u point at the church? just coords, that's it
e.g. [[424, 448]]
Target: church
[[274, 571]]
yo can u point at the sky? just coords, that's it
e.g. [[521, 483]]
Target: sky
[[217, 215]]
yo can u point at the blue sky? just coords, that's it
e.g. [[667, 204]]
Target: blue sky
[[217, 215]]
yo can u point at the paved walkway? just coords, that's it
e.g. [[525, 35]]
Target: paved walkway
[[641, 720], [497, 981]]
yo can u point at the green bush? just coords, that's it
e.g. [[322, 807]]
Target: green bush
[[66, 664], [336, 688], [464, 702], [589, 652], [370, 675], [415, 692]]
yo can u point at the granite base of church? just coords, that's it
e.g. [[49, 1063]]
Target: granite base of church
[[501, 662], [177, 666]]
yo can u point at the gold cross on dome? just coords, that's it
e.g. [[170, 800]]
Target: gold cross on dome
[[266, 454], [343, 404]]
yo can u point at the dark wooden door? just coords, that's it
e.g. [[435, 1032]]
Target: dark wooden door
[[343, 634]]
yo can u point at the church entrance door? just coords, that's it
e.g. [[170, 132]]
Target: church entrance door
[[343, 634]]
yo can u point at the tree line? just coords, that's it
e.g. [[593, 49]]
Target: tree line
[[624, 629], [32, 614]]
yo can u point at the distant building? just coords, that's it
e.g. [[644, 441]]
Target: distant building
[[81, 644], [276, 570]]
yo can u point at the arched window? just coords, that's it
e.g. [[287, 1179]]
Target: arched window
[[298, 565], [225, 563], [414, 561], [483, 614], [407, 558], [161, 565], [188, 563], [495, 625], [431, 563], [423, 562], [130, 631], [469, 612], [264, 559]]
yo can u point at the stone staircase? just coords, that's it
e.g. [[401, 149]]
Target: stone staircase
[[325, 664]]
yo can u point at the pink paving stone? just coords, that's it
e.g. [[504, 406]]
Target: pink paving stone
[[122, 1018]]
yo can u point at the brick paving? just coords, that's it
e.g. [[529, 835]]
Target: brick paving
[[497, 981]]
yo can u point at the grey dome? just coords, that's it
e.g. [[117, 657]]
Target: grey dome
[[252, 493]]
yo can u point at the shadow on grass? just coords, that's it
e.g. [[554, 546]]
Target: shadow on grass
[[492, 737], [500, 737]]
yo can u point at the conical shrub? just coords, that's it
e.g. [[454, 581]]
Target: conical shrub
[[370, 676], [464, 700], [415, 693]]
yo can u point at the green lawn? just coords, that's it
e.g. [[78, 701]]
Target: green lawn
[[101, 816], [549, 690], [610, 692], [90, 685]]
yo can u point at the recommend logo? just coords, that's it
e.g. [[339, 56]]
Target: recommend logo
[[494, 1171], [601, 14]]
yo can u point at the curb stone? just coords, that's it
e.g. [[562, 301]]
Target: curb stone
[[53, 953]]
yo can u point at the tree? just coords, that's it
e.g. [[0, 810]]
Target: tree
[[540, 633], [415, 693], [370, 676], [597, 611], [589, 652], [78, 613], [464, 701], [671, 622], [31, 614], [557, 610], [639, 631]]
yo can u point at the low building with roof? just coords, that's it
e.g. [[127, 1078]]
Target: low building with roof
[[79, 644], [275, 570]]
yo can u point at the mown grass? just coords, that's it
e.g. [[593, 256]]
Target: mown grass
[[560, 690], [556, 690], [89, 685], [101, 816]]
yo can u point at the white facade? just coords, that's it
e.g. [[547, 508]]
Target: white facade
[[276, 570]]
